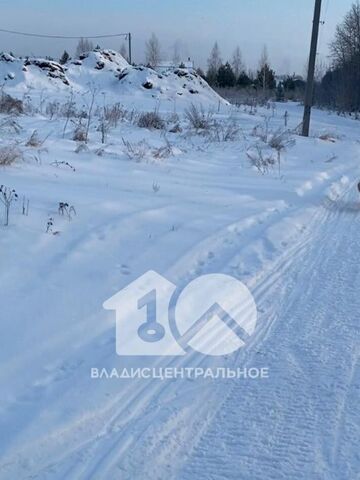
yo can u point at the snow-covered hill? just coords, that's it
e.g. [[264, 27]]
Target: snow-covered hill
[[110, 73]]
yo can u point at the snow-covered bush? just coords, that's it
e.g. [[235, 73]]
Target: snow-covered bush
[[151, 120]]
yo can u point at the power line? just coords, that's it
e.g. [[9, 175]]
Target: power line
[[39, 35], [66, 37]]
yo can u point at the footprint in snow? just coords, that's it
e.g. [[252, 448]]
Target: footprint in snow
[[125, 270]]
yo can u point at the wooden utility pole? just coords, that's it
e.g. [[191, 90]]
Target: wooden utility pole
[[309, 94], [129, 38]]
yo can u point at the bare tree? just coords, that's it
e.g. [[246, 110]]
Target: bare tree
[[176, 57], [214, 63], [152, 51], [339, 87], [264, 59], [237, 63], [346, 45], [124, 52], [264, 67], [84, 46], [93, 90]]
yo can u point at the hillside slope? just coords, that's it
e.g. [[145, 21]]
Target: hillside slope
[[109, 72]]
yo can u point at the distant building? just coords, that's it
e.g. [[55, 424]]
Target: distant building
[[170, 65]]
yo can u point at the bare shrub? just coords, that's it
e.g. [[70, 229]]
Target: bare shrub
[[198, 118], [280, 141], [68, 110], [67, 210], [162, 152], [35, 141], [104, 128], [151, 120], [9, 104], [263, 162], [225, 131], [52, 109], [9, 154], [136, 151], [93, 90], [7, 197], [262, 131], [114, 114], [79, 134]]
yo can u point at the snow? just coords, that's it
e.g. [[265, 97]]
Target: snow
[[291, 236], [109, 73]]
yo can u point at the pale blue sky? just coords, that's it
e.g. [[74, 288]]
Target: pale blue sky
[[283, 25]]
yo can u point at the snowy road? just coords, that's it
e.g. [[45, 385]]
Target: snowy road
[[303, 422]]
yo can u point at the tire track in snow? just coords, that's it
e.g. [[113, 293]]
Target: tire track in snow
[[118, 425], [108, 463], [292, 426]]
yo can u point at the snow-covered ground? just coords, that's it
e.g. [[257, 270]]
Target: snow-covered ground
[[188, 205]]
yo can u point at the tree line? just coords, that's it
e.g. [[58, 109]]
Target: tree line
[[339, 87]]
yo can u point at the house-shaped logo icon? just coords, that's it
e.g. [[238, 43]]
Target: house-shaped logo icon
[[214, 314], [142, 320]]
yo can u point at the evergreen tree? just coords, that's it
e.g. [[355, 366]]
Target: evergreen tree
[[225, 76], [65, 57], [266, 78], [244, 80], [289, 84], [201, 73]]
